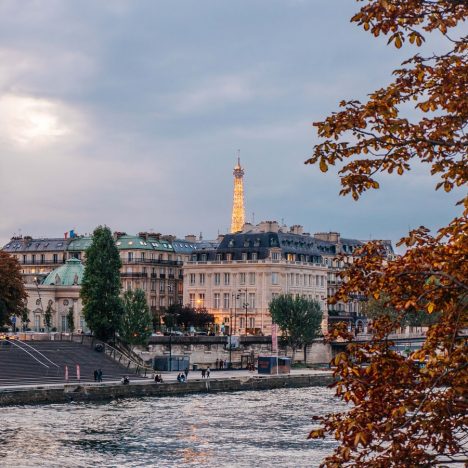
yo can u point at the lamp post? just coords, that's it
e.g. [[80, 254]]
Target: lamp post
[[36, 282], [246, 305], [234, 300]]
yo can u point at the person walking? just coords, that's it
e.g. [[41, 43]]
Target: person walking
[[203, 373], [99, 376], [186, 371], [95, 375], [217, 364], [208, 371]]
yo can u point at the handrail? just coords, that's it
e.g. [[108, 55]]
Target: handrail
[[38, 352], [129, 359], [27, 352]]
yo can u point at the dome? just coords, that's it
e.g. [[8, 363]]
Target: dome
[[70, 274]]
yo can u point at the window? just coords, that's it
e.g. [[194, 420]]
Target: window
[[217, 279], [203, 258], [228, 257], [218, 257], [242, 278], [170, 288], [227, 278], [321, 281], [297, 279], [201, 300], [274, 278], [252, 322], [42, 258], [276, 256], [143, 255], [55, 258], [153, 285], [130, 256], [244, 256], [226, 301], [317, 280], [161, 302], [202, 278], [161, 286], [252, 300], [192, 300], [192, 279], [251, 278], [217, 300], [254, 256]]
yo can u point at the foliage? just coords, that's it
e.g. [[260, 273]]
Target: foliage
[[100, 288], [299, 320], [12, 292], [48, 315], [136, 323], [407, 411], [24, 318], [188, 317], [70, 320], [375, 308]]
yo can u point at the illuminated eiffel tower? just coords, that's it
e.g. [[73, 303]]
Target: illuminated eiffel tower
[[238, 213]]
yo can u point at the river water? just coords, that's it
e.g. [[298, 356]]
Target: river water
[[241, 429]]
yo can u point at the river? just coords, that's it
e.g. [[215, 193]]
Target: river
[[241, 429]]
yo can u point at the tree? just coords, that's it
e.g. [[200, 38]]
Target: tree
[[188, 317], [100, 288], [25, 318], [407, 411], [70, 320], [12, 293], [299, 320], [136, 324], [48, 315]]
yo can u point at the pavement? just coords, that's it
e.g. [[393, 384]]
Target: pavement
[[167, 377]]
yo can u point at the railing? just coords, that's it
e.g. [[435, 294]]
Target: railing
[[151, 261], [127, 274], [42, 262], [265, 261], [129, 362]]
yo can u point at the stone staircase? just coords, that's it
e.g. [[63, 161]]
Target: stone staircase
[[43, 362]]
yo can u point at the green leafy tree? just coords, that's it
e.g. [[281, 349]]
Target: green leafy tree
[[48, 315], [70, 320], [100, 288], [12, 292], [189, 317], [299, 320], [24, 318], [136, 324]]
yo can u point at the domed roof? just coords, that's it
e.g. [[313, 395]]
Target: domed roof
[[70, 274]]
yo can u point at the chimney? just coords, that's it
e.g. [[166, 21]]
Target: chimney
[[297, 229], [191, 238]]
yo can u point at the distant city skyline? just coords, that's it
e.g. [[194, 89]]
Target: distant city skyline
[[130, 115]]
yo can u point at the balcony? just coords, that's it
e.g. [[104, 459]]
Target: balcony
[[127, 274], [44, 262], [150, 261]]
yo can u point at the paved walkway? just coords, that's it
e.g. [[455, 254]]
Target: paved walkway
[[167, 377]]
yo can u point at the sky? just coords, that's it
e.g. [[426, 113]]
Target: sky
[[130, 114]]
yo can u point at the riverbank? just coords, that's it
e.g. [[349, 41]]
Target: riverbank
[[75, 392]]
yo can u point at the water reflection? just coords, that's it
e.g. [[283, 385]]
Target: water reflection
[[240, 429]]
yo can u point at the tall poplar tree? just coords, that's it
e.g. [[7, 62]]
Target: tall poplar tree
[[101, 285]]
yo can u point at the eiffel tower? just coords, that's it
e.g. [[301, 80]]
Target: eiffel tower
[[238, 212]]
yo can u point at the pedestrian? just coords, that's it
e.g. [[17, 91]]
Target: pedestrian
[[217, 364], [95, 375], [178, 377], [208, 370], [225, 364], [203, 373], [186, 371], [220, 364], [99, 376]]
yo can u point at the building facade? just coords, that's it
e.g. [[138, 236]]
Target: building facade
[[237, 280]]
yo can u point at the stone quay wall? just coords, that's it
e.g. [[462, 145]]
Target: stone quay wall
[[205, 350], [92, 392]]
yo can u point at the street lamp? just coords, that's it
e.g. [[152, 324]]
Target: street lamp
[[234, 299], [36, 282], [245, 305]]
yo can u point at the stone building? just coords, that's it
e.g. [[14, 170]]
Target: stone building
[[236, 280], [151, 262], [61, 290]]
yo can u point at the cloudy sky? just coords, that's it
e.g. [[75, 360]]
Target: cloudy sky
[[129, 113]]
